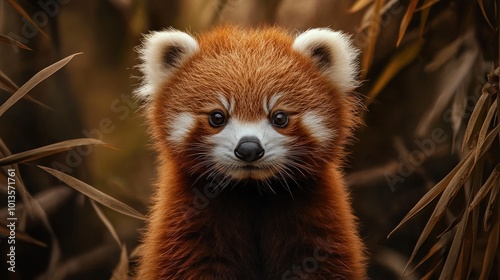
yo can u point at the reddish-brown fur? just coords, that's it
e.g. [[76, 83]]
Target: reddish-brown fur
[[241, 233]]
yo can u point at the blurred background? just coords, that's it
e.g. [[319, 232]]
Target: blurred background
[[426, 64]]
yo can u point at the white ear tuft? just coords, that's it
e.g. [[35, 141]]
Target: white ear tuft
[[334, 53], [161, 54]]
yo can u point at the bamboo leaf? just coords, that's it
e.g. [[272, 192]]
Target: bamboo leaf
[[426, 9], [431, 194], [484, 128], [449, 52], [7, 84], [401, 59], [48, 150], [35, 80], [481, 7], [492, 135], [452, 258], [368, 15], [373, 32], [427, 4], [455, 74], [106, 222], [433, 270], [485, 189], [25, 15], [360, 4], [95, 194], [488, 213], [8, 40], [453, 224], [437, 247], [474, 239], [450, 265], [122, 269], [447, 196], [406, 20], [491, 251], [473, 120]]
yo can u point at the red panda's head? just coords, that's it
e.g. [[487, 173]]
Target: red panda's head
[[250, 104]]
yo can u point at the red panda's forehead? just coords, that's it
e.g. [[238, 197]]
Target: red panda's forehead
[[248, 70]]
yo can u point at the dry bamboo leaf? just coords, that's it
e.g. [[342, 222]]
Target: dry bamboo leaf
[[373, 32], [367, 16], [447, 196], [448, 52], [474, 238], [492, 135], [4, 230], [48, 150], [360, 4], [401, 59], [95, 194], [431, 194], [35, 80], [427, 4], [107, 223], [458, 109], [484, 128], [473, 120], [25, 15], [13, 42], [406, 20], [485, 189], [489, 212], [491, 251], [481, 7], [464, 262], [453, 224], [429, 275], [122, 269], [8, 85], [426, 9], [437, 247], [498, 111], [456, 73], [450, 265]]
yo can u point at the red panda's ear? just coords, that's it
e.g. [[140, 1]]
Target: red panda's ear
[[333, 53], [161, 54]]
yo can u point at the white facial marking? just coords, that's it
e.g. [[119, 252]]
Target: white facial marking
[[316, 126], [226, 141], [181, 127], [269, 105], [223, 100]]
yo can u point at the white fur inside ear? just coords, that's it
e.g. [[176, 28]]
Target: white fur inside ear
[[334, 54], [161, 54]]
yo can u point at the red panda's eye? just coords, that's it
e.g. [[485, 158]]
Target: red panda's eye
[[279, 119], [217, 118]]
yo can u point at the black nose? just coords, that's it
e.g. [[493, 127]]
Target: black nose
[[249, 149]]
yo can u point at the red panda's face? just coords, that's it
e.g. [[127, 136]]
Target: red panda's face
[[250, 104]]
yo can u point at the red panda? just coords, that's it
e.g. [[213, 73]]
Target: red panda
[[250, 126]]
